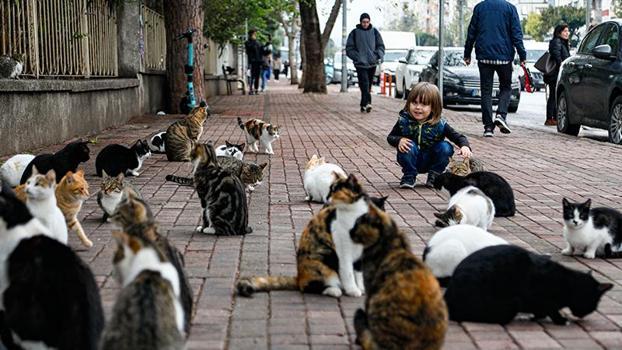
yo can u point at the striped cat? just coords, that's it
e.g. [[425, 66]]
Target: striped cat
[[135, 217], [110, 194], [71, 192], [147, 314], [182, 135], [250, 173], [259, 132], [223, 199], [404, 308], [465, 166]]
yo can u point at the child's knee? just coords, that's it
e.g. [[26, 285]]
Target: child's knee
[[445, 149]]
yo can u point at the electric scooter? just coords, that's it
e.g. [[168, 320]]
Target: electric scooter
[[188, 102]]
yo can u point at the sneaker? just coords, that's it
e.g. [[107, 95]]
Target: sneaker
[[488, 132], [550, 122], [502, 124], [431, 177], [362, 109], [407, 182], [368, 108], [251, 92]]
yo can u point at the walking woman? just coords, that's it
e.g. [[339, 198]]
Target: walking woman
[[559, 51]]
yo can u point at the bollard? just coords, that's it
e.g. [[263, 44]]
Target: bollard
[[390, 83], [382, 84]]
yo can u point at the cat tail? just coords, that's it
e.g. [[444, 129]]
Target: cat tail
[[241, 124], [249, 285], [184, 181], [612, 254], [364, 337]]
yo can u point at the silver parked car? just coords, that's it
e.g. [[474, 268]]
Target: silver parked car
[[409, 68]]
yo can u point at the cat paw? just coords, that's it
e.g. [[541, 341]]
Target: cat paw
[[209, 230], [134, 173], [567, 251], [354, 292], [589, 255], [334, 292], [87, 243], [199, 229], [269, 152]]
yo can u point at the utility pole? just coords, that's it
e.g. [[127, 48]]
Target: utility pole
[[344, 59], [441, 14], [461, 21], [588, 14]]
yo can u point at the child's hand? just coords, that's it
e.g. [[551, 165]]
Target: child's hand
[[404, 145], [465, 152]]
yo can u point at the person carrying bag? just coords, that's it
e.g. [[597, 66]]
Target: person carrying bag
[[559, 50]]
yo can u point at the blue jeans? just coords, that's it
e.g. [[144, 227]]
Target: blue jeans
[[265, 76], [434, 159]]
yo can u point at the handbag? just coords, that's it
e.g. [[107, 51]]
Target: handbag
[[545, 64]]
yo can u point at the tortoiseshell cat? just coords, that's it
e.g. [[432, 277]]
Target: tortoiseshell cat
[[316, 259], [259, 132], [182, 135], [404, 308]]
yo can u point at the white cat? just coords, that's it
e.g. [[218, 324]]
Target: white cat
[[41, 201], [231, 150], [450, 245], [318, 177], [468, 206], [13, 169]]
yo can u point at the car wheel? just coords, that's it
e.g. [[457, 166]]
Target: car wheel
[[563, 117], [513, 108], [406, 93], [399, 94], [615, 121]]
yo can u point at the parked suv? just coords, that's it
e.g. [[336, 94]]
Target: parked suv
[[409, 68], [589, 90]]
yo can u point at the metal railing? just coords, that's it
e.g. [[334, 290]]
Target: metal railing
[[155, 39], [61, 38]]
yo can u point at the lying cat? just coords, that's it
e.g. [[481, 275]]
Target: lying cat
[[318, 177], [468, 206]]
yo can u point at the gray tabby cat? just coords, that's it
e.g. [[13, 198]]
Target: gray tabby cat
[[182, 135], [110, 194], [11, 66], [250, 173], [147, 314]]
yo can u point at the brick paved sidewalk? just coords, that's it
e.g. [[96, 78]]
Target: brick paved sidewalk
[[542, 168]]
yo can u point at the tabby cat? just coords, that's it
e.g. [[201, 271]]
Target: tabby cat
[[250, 173], [110, 194], [404, 308], [465, 166], [147, 314], [11, 66], [71, 192], [259, 132], [135, 217], [316, 259], [182, 135], [223, 199]]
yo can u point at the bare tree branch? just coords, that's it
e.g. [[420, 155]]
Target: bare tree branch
[[330, 23]]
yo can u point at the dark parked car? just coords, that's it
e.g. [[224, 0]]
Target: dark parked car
[[589, 90], [461, 82]]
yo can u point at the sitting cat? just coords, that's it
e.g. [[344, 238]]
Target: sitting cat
[[48, 295], [41, 201], [318, 177], [465, 166], [468, 206], [316, 259], [182, 135], [591, 232], [67, 159], [147, 313], [259, 132], [157, 142], [12, 66], [223, 199], [231, 150], [110, 193], [495, 283], [450, 245], [118, 159], [13, 169], [493, 185], [71, 192], [135, 217], [404, 308]]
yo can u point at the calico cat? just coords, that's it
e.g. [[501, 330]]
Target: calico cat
[[259, 132], [13, 169], [591, 232], [223, 199], [147, 314], [49, 295], [250, 173], [468, 206], [450, 245], [182, 135], [135, 217], [495, 283], [318, 177], [157, 142], [316, 260], [67, 159], [404, 308], [118, 159], [71, 192], [110, 194], [465, 166], [41, 201], [493, 185], [231, 150], [11, 66]]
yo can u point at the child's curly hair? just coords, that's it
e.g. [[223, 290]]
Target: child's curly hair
[[427, 94]]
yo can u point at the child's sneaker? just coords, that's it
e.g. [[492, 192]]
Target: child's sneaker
[[431, 177], [407, 182]]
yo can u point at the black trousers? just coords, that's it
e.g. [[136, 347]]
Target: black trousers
[[255, 73], [276, 73], [551, 102], [365, 77], [486, 79]]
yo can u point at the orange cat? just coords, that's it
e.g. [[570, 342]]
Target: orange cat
[[71, 192]]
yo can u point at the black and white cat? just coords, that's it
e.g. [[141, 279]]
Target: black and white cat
[[494, 284], [157, 142], [591, 232], [116, 159], [468, 206], [231, 150], [49, 297]]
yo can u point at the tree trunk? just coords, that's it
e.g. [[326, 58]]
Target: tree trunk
[[293, 64], [303, 59], [330, 23], [179, 16], [313, 72]]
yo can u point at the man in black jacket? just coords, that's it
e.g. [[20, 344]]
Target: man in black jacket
[[255, 52], [366, 49]]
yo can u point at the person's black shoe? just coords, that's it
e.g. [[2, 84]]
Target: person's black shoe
[[407, 182], [502, 124], [488, 132], [368, 108], [431, 177], [362, 109]]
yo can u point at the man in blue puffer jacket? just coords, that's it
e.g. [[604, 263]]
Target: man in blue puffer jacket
[[495, 31]]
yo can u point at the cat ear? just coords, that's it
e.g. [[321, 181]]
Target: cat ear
[[587, 203], [438, 215], [263, 165], [120, 237], [80, 172], [590, 272], [120, 177], [51, 176], [69, 177], [104, 174], [228, 144], [604, 287], [241, 146], [352, 180], [565, 202], [313, 157], [35, 171], [337, 176]]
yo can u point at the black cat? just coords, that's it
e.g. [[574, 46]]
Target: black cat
[[493, 185], [117, 159], [67, 159], [495, 283]]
